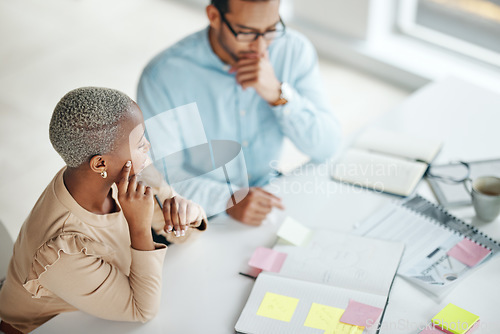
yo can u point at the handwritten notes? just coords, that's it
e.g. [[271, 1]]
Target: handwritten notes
[[294, 232], [327, 318], [277, 307], [323, 316], [360, 314], [468, 252], [267, 259]]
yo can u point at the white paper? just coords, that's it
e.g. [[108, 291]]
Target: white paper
[[399, 144], [343, 260]]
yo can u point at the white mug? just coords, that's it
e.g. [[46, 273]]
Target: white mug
[[485, 193]]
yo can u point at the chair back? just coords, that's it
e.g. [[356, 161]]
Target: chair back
[[6, 245]]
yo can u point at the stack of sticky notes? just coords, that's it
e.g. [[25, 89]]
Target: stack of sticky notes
[[360, 314], [455, 320], [270, 260], [267, 259], [294, 232], [468, 252]]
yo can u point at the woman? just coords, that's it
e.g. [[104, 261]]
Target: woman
[[87, 243]]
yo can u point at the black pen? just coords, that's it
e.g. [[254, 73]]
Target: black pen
[[246, 275], [158, 200]]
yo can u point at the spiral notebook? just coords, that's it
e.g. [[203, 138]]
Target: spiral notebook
[[440, 249]]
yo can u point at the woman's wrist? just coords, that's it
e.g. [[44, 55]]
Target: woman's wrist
[[142, 240]]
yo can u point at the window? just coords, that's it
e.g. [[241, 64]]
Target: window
[[471, 27]]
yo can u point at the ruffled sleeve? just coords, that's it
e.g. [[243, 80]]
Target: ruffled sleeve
[[77, 270], [50, 252]]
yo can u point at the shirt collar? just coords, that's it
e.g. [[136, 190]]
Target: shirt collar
[[213, 59]]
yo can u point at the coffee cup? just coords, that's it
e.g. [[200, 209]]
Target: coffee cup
[[485, 193]]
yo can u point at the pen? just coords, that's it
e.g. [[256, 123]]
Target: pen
[[158, 201], [246, 275]]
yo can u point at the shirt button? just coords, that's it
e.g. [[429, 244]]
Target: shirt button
[[244, 143], [287, 111], [226, 67], [243, 113], [249, 176]]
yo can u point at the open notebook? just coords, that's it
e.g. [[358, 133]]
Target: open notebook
[[318, 280], [386, 161]]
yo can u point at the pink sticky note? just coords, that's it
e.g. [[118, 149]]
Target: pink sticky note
[[468, 252], [360, 314], [267, 259], [430, 330]]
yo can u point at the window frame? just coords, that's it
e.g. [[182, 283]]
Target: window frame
[[407, 25]]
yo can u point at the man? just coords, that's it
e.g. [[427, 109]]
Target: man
[[255, 82]]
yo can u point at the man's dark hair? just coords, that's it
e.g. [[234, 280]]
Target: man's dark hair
[[223, 5]]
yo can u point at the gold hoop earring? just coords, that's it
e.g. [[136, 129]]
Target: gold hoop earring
[[104, 174]]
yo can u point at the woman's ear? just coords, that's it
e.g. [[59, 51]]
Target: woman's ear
[[98, 164], [213, 16]]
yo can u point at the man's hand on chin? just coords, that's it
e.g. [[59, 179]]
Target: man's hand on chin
[[255, 207], [257, 72]]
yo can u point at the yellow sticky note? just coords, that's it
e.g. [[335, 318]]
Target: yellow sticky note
[[347, 329], [294, 232], [327, 318], [277, 307], [454, 319]]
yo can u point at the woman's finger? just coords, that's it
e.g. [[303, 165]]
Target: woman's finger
[[174, 214], [193, 213], [132, 184], [182, 215], [141, 188], [123, 181], [167, 215]]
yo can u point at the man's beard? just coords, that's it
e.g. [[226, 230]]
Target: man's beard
[[226, 48]]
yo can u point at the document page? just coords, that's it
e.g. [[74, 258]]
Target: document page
[[343, 260]]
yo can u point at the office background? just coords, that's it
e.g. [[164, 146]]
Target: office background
[[50, 47]]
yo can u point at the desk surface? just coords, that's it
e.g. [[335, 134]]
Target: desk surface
[[203, 292]]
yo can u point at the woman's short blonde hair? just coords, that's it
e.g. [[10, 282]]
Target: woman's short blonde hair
[[86, 121]]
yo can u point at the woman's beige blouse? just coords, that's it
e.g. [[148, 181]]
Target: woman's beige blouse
[[66, 258]]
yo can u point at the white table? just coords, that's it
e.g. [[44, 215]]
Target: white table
[[203, 292]]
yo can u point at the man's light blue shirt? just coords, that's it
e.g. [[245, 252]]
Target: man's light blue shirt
[[189, 71]]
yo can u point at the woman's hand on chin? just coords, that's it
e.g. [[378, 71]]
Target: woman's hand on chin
[[137, 204]]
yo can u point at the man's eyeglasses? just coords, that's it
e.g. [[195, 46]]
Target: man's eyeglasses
[[278, 32]]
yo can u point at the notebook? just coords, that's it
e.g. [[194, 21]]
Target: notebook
[[319, 281], [440, 249], [386, 161]]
